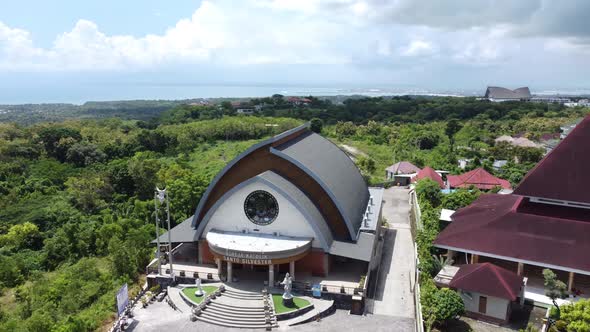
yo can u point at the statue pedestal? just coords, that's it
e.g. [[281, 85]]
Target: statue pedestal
[[199, 293], [288, 300]]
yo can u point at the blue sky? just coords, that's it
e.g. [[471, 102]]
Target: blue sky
[[64, 50]]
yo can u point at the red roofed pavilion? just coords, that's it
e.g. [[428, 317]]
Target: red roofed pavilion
[[428, 172], [479, 178]]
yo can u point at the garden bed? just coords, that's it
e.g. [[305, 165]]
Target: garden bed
[[189, 293]]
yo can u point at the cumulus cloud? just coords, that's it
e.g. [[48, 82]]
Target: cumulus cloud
[[313, 32]]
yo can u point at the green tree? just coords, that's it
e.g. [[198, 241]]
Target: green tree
[[344, 129], [428, 190], [84, 154], [316, 125], [459, 199], [89, 192], [449, 305], [143, 168], [453, 126], [554, 288], [22, 236], [366, 165], [575, 317], [57, 140], [122, 260]]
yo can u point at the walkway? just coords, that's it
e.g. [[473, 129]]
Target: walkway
[[393, 288]]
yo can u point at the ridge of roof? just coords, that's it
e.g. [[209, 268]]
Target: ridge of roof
[[529, 184]]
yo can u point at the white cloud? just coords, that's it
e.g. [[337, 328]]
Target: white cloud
[[354, 33], [418, 47]]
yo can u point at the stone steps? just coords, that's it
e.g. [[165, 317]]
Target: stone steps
[[243, 296], [230, 310], [238, 309], [233, 317], [232, 324]]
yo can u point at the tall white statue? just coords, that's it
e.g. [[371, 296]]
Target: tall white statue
[[287, 296], [199, 291]]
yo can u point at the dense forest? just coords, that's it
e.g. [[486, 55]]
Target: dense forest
[[76, 214]]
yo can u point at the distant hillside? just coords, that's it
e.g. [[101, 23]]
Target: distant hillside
[[135, 109]]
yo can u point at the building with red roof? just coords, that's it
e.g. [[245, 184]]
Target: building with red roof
[[479, 178], [429, 172], [545, 223], [401, 172], [488, 291]]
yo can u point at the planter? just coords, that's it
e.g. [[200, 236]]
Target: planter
[[342, 290], [195, 275]]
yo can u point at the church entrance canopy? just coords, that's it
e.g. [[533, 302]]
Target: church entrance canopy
[[257, 249]]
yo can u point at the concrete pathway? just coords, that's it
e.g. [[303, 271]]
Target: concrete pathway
[[392, 294]]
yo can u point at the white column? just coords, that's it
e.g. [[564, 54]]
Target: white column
[[292, 269], [218, 262], [229, 272], [271, 275], [570, 282]]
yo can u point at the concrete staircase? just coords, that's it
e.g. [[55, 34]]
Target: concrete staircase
[[238, 309]]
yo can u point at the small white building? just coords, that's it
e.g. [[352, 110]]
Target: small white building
[[489, 292]]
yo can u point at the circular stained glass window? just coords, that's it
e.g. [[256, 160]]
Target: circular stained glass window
[[261, 207]]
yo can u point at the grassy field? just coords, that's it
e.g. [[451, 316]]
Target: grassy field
[[277, 299], [190, 293]]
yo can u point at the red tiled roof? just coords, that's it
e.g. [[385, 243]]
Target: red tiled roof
[[488, 279], [479, 178], [428, 172], [403, 167], [513, 227], [565, 172]]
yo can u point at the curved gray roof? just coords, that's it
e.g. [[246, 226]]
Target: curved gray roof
[[495, 92], [334, 171]]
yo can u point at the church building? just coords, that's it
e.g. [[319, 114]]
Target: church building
[[292, 203]]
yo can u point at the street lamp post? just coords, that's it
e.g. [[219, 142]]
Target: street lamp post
[[162, 196], [157, 233]]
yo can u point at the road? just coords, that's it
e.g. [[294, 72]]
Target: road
[[393, 289]]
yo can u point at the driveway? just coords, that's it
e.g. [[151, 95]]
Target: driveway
[[392, 295]]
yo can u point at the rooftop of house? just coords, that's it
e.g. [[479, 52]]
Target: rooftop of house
[[480, 178], [429, 172], [561, 175], [512, 227], [403, 167], [488, 279]]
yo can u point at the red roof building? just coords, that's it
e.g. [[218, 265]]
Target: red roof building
[[488, 291], [403, 167], [488, 279], [545, 223], [479, 178], [428, 172], [564, 174]]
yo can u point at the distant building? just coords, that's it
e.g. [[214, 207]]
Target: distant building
[[580, 103], [522, 142], [401, 172], [296, 101], [428, 172], [551, 99], [499, 94], [479, 178]]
